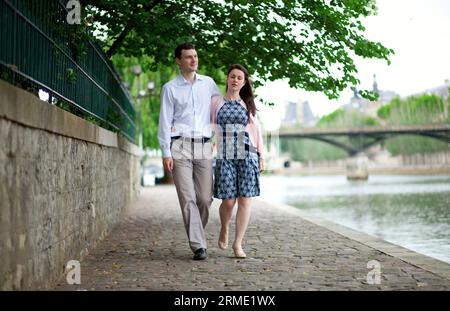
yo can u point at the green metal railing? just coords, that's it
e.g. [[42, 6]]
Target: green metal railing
[[38, 51]]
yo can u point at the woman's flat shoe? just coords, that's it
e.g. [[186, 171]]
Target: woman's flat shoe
[[239, 253]]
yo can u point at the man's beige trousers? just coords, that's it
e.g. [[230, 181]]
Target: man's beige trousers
[[193, 178]]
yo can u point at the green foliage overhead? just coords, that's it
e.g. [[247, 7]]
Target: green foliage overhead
[[311, 43]]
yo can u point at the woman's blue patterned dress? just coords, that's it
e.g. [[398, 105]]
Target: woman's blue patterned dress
[[237, 166]]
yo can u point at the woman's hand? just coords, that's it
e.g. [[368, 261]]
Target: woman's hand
[[261, 165]]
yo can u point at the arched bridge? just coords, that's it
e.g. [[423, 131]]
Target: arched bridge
[[365, 137]]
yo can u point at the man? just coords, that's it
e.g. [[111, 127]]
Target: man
[[184, 136]]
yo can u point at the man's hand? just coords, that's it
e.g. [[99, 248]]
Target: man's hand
[[168, 164]]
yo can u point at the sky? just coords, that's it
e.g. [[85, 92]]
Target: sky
[[419, 33]]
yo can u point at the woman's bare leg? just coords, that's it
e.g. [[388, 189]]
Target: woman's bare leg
[[242, 220], [225, 212]]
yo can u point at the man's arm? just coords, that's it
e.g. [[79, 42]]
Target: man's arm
[[165, 125]]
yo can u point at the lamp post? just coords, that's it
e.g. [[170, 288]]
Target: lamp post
[[137, 70], [141, 94], [150, 91], [151, 87]]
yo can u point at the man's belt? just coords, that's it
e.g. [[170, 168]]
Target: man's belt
[[192, 139]]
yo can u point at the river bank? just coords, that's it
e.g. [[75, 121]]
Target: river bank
[[313, 170]]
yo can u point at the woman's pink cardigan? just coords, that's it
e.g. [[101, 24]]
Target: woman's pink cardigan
[[253, 128]]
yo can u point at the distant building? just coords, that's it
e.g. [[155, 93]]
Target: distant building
[[300, 114], [290, 117], [384, 96], [356, 102], [367, 107]]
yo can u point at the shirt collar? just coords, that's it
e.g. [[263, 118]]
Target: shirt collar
[[181, 80]]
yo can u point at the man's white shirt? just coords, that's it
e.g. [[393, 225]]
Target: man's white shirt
[[185, 109]]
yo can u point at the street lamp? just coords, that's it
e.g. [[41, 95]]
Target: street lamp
[[137, 70], [151, 87]]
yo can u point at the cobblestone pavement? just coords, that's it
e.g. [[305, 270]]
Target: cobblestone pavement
[[148, 250]]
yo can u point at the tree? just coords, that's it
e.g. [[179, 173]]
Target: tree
[[415, 110], [149, 103], [311, 43]]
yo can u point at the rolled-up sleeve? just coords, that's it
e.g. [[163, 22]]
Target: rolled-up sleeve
[[165, 121]]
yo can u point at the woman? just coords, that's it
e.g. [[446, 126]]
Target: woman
[[239, 154]]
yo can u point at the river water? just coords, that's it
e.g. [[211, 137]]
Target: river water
[[411, 211]]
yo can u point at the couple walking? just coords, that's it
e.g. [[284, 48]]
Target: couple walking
[[192, 112]]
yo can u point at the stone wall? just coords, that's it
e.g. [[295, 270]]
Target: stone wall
[[59, 193], [427, 159]]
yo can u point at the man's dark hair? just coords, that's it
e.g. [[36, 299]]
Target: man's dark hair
[[183, 46]]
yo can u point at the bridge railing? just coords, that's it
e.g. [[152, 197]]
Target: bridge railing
[[38, 52]]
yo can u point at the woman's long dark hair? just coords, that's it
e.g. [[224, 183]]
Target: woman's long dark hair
[[246, 93]]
